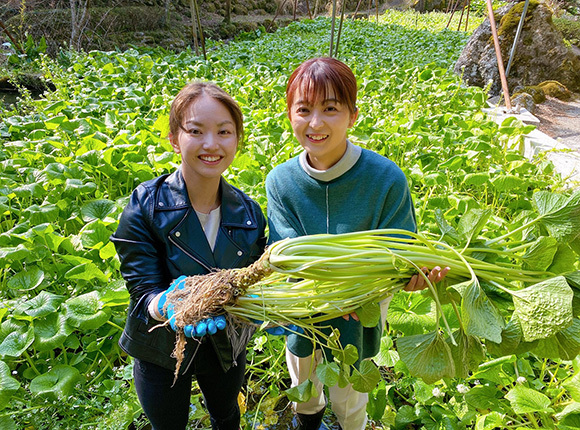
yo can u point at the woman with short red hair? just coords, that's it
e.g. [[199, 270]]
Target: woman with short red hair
[[334, 187]]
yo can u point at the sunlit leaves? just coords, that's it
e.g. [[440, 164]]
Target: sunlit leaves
[[366, 377], [15, 338], [526, 400], [328, 373], [544, 309], [51, 332], [369, 314], [97, 210], [26, 280], [560, 214], [43, 304]]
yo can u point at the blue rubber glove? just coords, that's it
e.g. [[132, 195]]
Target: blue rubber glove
[[278, 330], [284, 330], [207, 326]]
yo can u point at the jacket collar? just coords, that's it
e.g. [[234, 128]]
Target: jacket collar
[[235, 210]]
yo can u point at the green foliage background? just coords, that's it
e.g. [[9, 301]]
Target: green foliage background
[[69, 161]]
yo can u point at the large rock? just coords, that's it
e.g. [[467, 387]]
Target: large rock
[[540, 55]]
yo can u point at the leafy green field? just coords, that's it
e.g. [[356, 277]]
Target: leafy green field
[[69, 161]]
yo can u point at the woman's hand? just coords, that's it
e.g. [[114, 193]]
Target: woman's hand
[[417, 281]]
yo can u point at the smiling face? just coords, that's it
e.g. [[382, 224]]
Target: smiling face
[[321, 126], [321, 100], [207, 141]]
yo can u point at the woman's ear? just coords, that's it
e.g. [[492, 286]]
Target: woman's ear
[[353, 117], [174, 143]]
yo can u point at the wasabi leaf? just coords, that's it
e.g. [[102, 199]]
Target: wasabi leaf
[[544, 309], [366, 377], [559, 213], [526, 400], [303, 392], [427, 356], [479, 315]]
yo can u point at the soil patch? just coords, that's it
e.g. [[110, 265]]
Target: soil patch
[[560, 120]]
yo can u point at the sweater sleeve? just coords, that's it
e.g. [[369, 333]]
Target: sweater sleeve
[[282, 222], [398, 210]]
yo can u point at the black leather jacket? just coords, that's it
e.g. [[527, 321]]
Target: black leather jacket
[[159, 238]]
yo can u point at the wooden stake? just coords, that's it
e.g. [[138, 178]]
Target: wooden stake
[[343, 7], [357, 6], [280, 6], [308, 9], [194, 27], [200, 29], [16, 44], [503, 79], [332, 28]]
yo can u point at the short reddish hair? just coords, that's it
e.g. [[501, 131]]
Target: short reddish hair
[[317, 76]]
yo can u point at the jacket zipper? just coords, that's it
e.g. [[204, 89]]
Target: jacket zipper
[[189, 255]]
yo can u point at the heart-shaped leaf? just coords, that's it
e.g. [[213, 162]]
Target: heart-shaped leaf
[[303, 392], [544, 309], [43, 304], [86, 312], [526, 400], [366, 377], [15, 339], [27, 279], [369, 314], [427, 356], [479, 315], [51, 332], [97, 210], [328, 373], [59, 382]]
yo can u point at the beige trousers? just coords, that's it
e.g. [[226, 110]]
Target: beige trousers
[[348, 405]]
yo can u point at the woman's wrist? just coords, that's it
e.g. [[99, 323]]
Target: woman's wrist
[[153, 309]]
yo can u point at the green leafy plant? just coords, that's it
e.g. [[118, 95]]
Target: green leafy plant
[[69, 160]]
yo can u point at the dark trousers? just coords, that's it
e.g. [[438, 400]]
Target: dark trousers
[[167, 405]]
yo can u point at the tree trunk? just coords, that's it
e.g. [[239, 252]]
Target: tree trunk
[[79, 21], [228, 17], [166, 16]]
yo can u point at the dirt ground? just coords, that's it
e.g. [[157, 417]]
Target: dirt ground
[[560, 120]]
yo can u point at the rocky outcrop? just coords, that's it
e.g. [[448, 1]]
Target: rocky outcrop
[[540, 55]]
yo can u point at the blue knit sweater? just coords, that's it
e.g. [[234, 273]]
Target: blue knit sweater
[[370, 192]]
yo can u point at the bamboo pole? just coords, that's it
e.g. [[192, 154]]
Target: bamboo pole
[[280, 6], [342, 8], [453, 10], [194, 27], [200, 29], [16, 44], [356, 10], [517, 37], [332, 28], [308, 10], [503, 79], [461, 17]]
